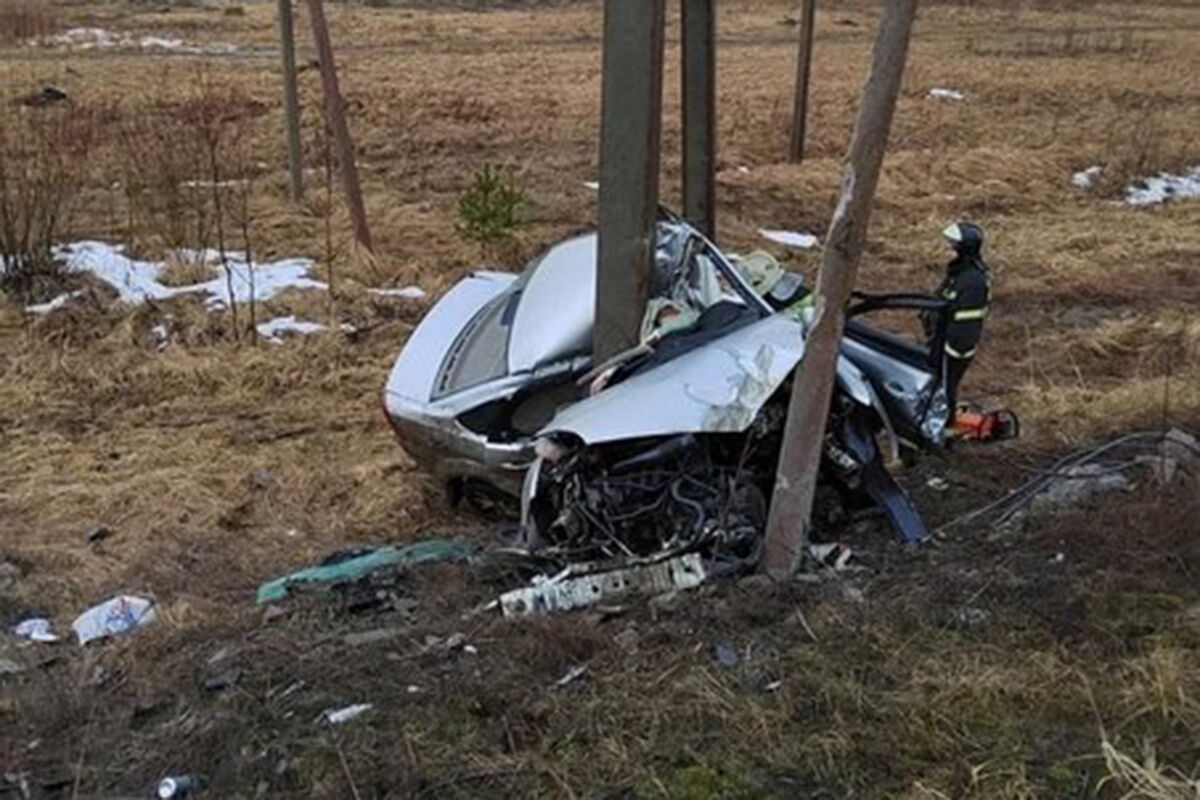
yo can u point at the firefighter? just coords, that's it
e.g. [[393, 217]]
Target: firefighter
[[967, 288]]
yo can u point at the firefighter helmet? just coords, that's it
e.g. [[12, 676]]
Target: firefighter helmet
[[965, 237]]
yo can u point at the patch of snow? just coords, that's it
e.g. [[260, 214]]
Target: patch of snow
[[1086, 179], [743, 169], [1163, 187], [84, 38], [137, 281], [407, 292], [273, 330], [946, 94], [790, 238], [593, 185], [89, 38]]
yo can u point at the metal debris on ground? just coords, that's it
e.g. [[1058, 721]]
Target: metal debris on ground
[[938, 484], [341, 715], [972, 617], [833, 555], [36, 629], [724, 653], [115, 616], [93, 534], [351, 566], [587, 583], [571, 675], [177, 786], [772, 686]]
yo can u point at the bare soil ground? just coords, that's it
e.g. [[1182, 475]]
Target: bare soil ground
[[982, 666]]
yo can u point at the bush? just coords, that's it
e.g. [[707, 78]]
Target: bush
[[23, 20], [492, 209], [43, 163]]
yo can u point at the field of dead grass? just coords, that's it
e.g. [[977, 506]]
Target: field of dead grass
[[219, 464]]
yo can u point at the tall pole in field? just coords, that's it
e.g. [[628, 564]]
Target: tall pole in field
[[291, 97], [630, 136], [335, 116], [808, 410], [699, 84], [808, 15]]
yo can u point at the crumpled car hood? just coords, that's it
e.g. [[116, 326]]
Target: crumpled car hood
[[717, 388]]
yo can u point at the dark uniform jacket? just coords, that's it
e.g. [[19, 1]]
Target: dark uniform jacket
[[968, 290]]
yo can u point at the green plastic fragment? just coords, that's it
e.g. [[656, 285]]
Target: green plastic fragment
[[354, 567]]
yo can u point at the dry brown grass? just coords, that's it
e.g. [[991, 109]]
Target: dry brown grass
[[1094, 325]]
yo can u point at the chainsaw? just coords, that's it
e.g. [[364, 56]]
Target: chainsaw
[[972, 424]]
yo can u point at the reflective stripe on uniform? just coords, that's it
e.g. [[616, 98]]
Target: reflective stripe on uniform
[[969, 314], [950, 351]]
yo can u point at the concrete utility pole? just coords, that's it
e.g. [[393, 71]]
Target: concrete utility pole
[[799, 459], [699, 85], [630, 135], [808, 13], [291, 97], [335, 117]]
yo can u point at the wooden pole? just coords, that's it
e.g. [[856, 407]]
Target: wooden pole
[[808, 13], [699, 86], [808, 410], [335, 116], [630, 136], [291, 97]]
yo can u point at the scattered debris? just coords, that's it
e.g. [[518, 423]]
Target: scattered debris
[[572, 674], [177, 786], [593, 185], [946, 94], [585, 584], [350, 566], [412, 688], [48, 95], [972, 617], [1058, 558], [1163, 187], [772, 686], [938, 484], [220, 683], [834, 555], [10, 667], [1087, 178], [338, 716], [724, 653], [95, 533], [36, 629], [117, 615], [790, 238]]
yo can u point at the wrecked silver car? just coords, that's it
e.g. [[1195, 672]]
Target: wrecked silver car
[[674, 442]]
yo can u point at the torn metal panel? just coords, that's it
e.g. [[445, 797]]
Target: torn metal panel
[[714, 389], [569, 590]]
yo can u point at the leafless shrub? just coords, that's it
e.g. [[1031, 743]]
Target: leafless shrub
[[22, 20], [43, 163], [189, 176]]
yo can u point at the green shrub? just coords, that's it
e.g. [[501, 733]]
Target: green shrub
[[492, 209]]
